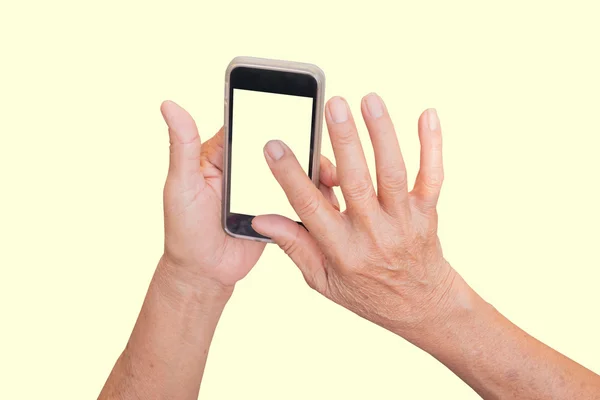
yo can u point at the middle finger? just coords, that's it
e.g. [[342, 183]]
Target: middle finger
[[353, 173]]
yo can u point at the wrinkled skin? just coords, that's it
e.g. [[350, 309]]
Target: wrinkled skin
[[381, 257]]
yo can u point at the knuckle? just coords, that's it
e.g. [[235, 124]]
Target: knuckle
[[294, 250], [346, 136], [392, 180], [193, 146], [305, 204], [289, 247], [433, 180], [359, 190]]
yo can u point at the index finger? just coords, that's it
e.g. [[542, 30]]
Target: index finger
[[212, 150], [317, 214]]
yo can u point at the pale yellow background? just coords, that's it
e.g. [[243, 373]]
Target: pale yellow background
[[257, 118], [83, 157]]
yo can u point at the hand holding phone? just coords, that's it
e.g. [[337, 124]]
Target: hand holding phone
[[267, 100]]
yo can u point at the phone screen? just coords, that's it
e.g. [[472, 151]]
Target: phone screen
[[258, 117]]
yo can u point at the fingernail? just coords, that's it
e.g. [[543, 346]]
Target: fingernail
[[432, 119], [274, 149], [374, 105], [172, 113], [178, 121], [338, 110]]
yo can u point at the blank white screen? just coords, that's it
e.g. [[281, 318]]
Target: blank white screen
[[257, 118]]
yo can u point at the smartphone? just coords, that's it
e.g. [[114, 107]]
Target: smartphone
[[266, 100]]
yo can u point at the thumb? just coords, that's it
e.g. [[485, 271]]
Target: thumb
[[297, 243], [184, 162]]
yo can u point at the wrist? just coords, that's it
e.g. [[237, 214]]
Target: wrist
[[454, 308], [183, 289]]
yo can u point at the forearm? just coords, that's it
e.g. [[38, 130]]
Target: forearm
[[167, 350], [499, 360]]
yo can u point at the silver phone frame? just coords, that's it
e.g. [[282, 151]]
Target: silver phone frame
[[277, 65]]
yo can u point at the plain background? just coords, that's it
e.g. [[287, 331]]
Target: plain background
[[84, 155]]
